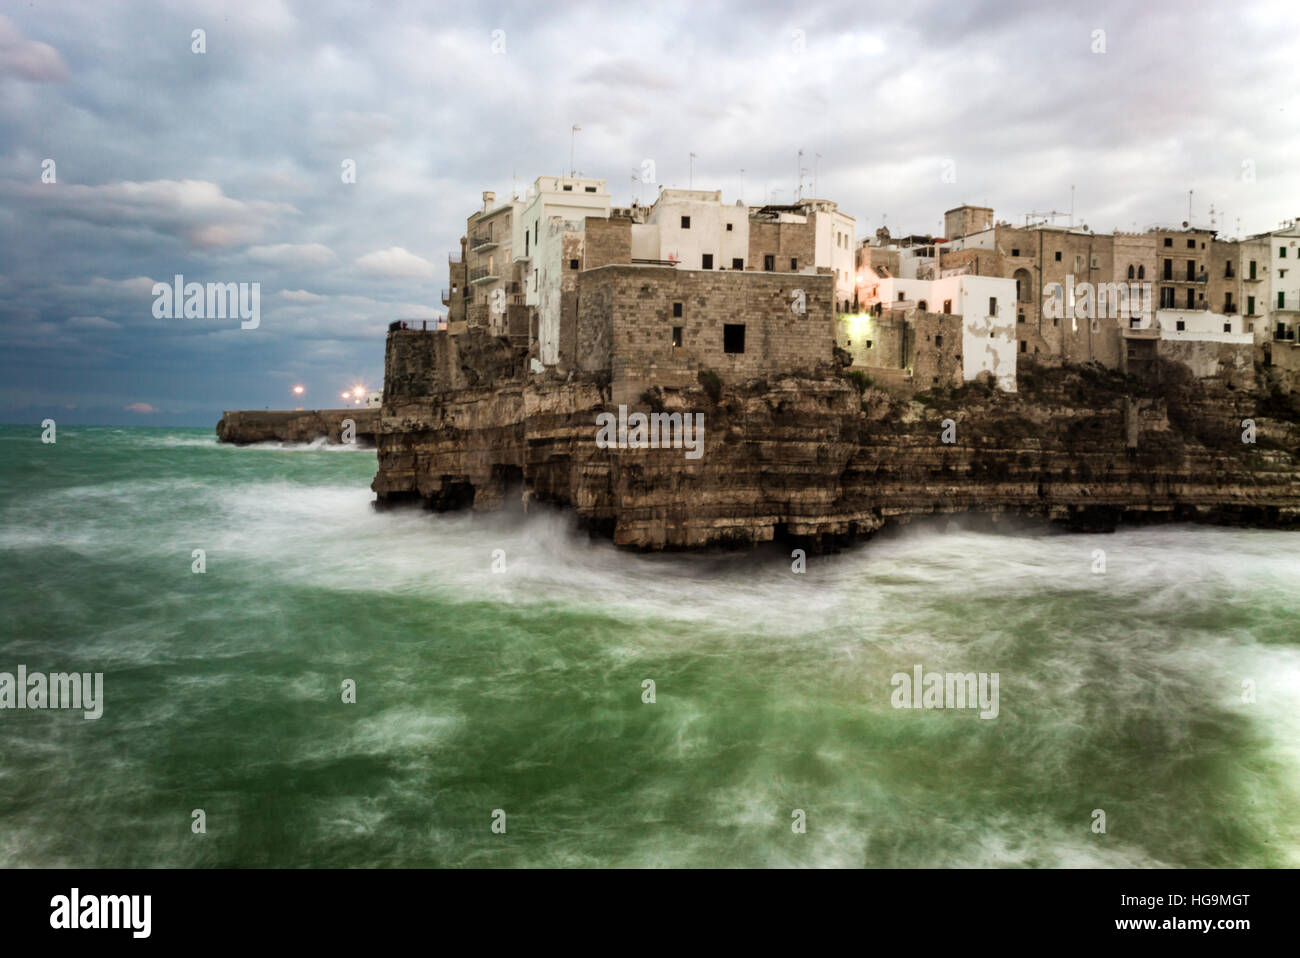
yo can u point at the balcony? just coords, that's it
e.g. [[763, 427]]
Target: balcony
[[482, 241], [481, 274], [455, 259], [446, 297]]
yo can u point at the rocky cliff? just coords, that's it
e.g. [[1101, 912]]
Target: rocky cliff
[[300, 425], [821, 459]]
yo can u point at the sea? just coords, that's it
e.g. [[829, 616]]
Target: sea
[[291, 678]]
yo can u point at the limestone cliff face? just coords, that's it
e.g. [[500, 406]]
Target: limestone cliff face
[[815, 461], [300, 425]]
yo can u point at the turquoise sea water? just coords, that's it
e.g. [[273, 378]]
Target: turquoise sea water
[[521, 690]]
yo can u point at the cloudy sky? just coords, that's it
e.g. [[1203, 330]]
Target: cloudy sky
[[226, 165]]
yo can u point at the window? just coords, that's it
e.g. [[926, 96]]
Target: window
[[733, 337], [708, 260], [1191, 244], [868, 344], [536, 227], [534, 280], [1191, 270], [947, 306], [573, 264], [1142, 272], [590, 189], [686, 222], [1169, 269], [568, 188], [1015, 252], [527, 236], [677, 337], [677, 310], [1020, 317], [769, 262], [1191, 299], [1058, 255], [1281, 251], [1166, 297], [1281, 300], [1131, 271], [1169, 241], [1023, 345], [938, 342], [728, 227], [737, 263], [794, 265], [993, 305], [1250, 305], [1095, 262], [921, 306], [1227, 327], [900, 295], [1180, 325], [1252, 269]]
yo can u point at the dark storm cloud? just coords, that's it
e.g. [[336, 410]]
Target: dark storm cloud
[[225, 166]]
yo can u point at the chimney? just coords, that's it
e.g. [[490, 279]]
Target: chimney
[[489, 198]]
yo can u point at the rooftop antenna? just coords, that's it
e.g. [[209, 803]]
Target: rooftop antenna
[[1072, 204], [1189, 207], [816, 157], [798, 165], [742, 185], [573, 133], [691, 181]]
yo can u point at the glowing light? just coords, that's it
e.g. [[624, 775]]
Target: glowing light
[[297, 390], [347, 395]]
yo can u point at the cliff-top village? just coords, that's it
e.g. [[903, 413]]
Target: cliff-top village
[[654, 295]]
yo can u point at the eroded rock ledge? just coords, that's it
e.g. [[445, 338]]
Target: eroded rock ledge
[[813, 460]]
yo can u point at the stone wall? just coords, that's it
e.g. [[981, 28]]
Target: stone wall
[[635, 305], [936, 359], [420, 363], [782, 241], [608, 241]]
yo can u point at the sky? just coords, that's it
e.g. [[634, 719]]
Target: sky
[[127, 157]]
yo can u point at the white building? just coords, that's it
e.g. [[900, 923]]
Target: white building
[[553, 206], [987, 305]]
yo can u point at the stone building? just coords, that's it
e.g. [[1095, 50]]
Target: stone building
[[659, 325], [521, 261]]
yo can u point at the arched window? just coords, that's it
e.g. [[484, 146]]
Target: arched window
[[1024, 283], [1142, 272], [1130, 270], [921, 305]]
